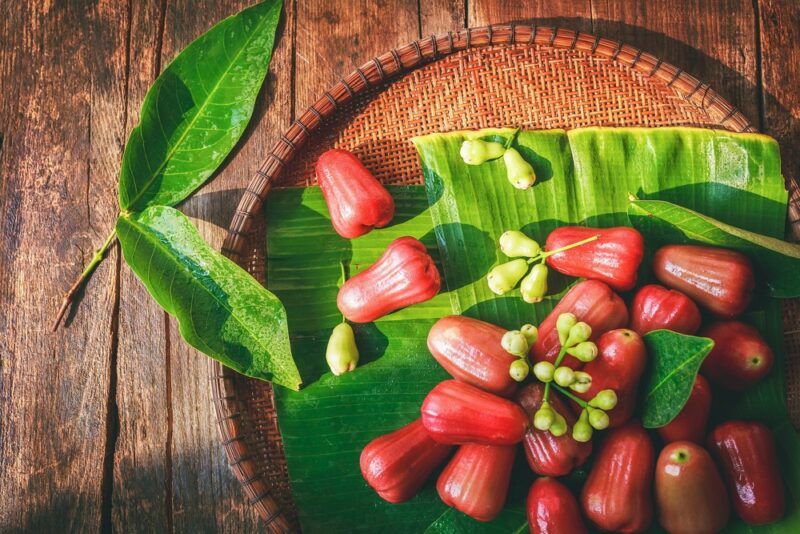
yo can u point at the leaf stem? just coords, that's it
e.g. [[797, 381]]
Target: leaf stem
[[560, 357], [569, 395], [97, 258]]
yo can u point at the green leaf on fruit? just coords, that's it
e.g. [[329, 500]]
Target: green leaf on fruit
[[221, 309], [197, 109], [674, 360], [778, 262]]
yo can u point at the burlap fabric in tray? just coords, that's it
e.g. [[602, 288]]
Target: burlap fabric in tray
[[527, 76]]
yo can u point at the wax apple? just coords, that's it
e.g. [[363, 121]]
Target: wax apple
[[740, 356], [404, 275], [592, 302], [475, 481], [690, 494], [356, 201], [620, 362], [552, 509], [613, 258], [471, 351], [655, 307], [547, 454], [746, 452], [690, 423], [718, 279], [396, 465], [455, 412], [617, 495]]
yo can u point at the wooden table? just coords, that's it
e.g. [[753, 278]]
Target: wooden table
[[108, 423]]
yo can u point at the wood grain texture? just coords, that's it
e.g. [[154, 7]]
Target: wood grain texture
[[140, 474], [575, 14], [713, 41], [61, 127]]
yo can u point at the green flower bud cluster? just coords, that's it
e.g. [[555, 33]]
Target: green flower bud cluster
[[518, 342], [506, 276], [593, 416], [519, 172]]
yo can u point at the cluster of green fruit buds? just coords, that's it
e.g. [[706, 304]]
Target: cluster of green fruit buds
[[518, 342], [547, 419], [519, 172], [574, 336], [593, 416], [341, 352]]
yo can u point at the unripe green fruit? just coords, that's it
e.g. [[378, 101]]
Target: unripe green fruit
[[605, 400], [515, 244], [505, 277], [585, 351], [559, 426], [341, 352], [598, 419], [581, 383], [564, 376], [579, 333], [530, 332], [515, 343], [564, 322], [519, 172], [544, 371], [519, 370], [544, 417], [475, 151], [534, 286], [582, 431]]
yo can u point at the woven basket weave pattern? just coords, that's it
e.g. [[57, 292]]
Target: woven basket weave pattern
[[550, 79]]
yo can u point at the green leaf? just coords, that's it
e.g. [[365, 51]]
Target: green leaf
[[674, 362], [221, 310], [197, 109], [778, 261]]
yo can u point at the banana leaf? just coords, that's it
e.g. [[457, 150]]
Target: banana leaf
[[584, 177]]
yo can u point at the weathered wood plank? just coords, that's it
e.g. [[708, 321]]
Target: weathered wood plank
[[141, 462], [333, 38], [440, 16], [205, 494], [713, 41], [779, 25], [575, 14], [61, 118]]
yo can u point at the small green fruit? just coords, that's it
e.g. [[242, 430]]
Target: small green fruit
[[534, 286], [530, 332], [475, 151], [585, 351], [544, 371], [564, 376], [579, 333], [598, 419], [582, 382], [341, 352], [519, 172], [564, 322], [515, 343], [605, 400], [519, 370], [515, 244], [505, 277]]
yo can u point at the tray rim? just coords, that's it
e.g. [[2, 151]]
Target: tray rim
[[373, 73]]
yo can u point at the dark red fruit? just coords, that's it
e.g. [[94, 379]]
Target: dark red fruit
[[655, 307], [690, 423], [740, 356], [552, 509]]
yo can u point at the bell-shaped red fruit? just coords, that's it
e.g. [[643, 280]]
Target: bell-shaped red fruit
[[547, 454], [396, 465], [690, 423], [614, 257], [592, 302], [476, 480], [655, 307], [356, 201], [740, 356], [455, 412], [471, 351], [718, 279], [404, 275], [552, 509]]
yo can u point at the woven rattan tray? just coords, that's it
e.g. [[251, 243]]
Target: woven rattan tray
[[506, 75]]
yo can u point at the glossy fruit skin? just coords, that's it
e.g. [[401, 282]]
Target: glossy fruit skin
[[456, 413], [552, 509], [356, 201], [613, 258], [396, 465], [591, 301], [718, 279], [471, 352], [690, 424], [617, 496], [745, 451], [475, 481], [655, 307], [404, 275], [730, 363], [547, 454], [690, 494], [620, 362]]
